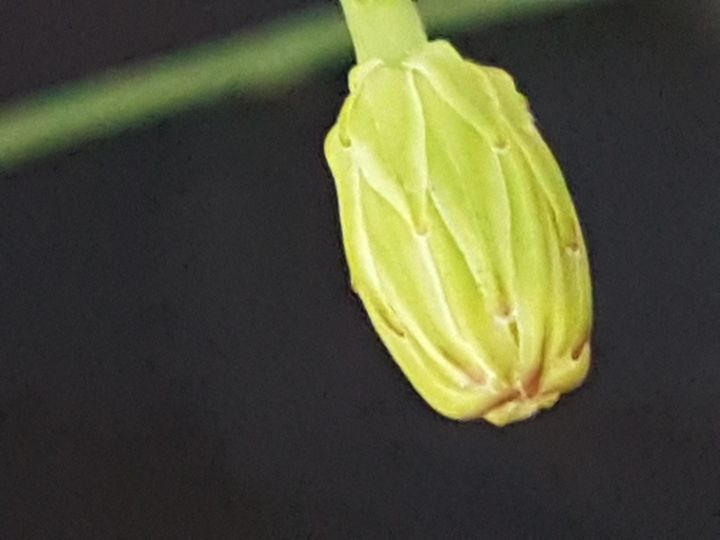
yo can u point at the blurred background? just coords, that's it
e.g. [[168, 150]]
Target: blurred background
[[181, 354]]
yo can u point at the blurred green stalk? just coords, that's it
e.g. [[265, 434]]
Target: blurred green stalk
[[256, 62]]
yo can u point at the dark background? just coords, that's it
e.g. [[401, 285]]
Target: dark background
[[181, 356]]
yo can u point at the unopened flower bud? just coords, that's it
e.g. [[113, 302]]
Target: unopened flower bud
[[459, 231]]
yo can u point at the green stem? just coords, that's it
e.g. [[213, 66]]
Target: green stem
[[252, 64], [103, 106], [385, 29]]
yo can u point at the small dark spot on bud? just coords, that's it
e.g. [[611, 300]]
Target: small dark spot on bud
[[501, 145], [577, 351], [389, 322], [344, 140], [421, 228], [532, 385], [507, 315], [513, 327], [573, 247]]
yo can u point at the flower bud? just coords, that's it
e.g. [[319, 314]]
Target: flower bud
[[460, 235]]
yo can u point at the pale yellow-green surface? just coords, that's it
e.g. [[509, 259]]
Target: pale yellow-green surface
[[460, 234]]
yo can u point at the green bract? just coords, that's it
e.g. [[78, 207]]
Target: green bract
[[460, 235]]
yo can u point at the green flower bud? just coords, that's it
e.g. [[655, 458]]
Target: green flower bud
[[459, 231]]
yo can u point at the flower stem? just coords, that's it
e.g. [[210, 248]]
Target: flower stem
[[385, 29], [102, 106]]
